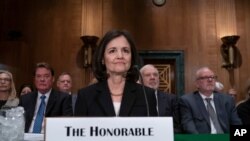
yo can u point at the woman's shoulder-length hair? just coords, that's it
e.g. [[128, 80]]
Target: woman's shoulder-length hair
[[12, 91], [99, 68]]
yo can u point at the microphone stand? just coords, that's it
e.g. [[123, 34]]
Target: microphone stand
[[144, 91]]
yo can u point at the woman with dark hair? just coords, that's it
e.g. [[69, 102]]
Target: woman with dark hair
[[98, 66], [116, 93]]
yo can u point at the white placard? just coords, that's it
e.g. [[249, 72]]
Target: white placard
[[109, 129]]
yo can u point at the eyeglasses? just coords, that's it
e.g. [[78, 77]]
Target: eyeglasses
[[5, 79], [207, 78]]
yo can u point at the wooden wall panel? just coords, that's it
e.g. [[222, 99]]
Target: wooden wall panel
[[242, 9], [13, 57], [52, 29], [194, 26]]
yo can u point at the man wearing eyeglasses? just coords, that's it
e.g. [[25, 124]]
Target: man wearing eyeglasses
[[206, 111]]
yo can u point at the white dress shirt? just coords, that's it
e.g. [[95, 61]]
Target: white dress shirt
[[38, 102], [213, 130]]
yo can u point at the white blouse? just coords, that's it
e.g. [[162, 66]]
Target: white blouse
[[117, 106]]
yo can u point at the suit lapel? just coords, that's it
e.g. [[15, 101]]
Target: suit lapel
[[104, 98], [128, 99], [161, 99], [51, 102], [33, 104], [202, 107]]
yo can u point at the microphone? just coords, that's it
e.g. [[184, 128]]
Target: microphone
[[143, 88]]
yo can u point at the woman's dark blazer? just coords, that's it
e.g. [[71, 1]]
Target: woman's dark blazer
[[95, 101]]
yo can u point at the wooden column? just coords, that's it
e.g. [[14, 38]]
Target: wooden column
[[91, 25]]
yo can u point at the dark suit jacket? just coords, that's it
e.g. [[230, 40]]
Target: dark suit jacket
[[74, 97], [168, 106], [167, 103], [95, 100], [244, 111], [195, 118], [59, 104]]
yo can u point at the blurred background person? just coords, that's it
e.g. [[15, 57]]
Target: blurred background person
[[232, 92], [243, 107], [116, 93], [64, 84], [24, 89], [44, 101], [167, 104], [219, 87], [93, 81], [7, 90]]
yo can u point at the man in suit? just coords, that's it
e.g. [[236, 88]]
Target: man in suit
[[205, 110], [167, 104], [55, 103], [64, 84]]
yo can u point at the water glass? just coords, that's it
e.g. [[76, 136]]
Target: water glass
[[12, 124]]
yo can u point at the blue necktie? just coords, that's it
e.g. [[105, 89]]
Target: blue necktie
[[39, 117]]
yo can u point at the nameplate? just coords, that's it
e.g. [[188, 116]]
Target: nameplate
[[109, 129]]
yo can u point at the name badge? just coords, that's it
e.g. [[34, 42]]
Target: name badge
[[109, 129]]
